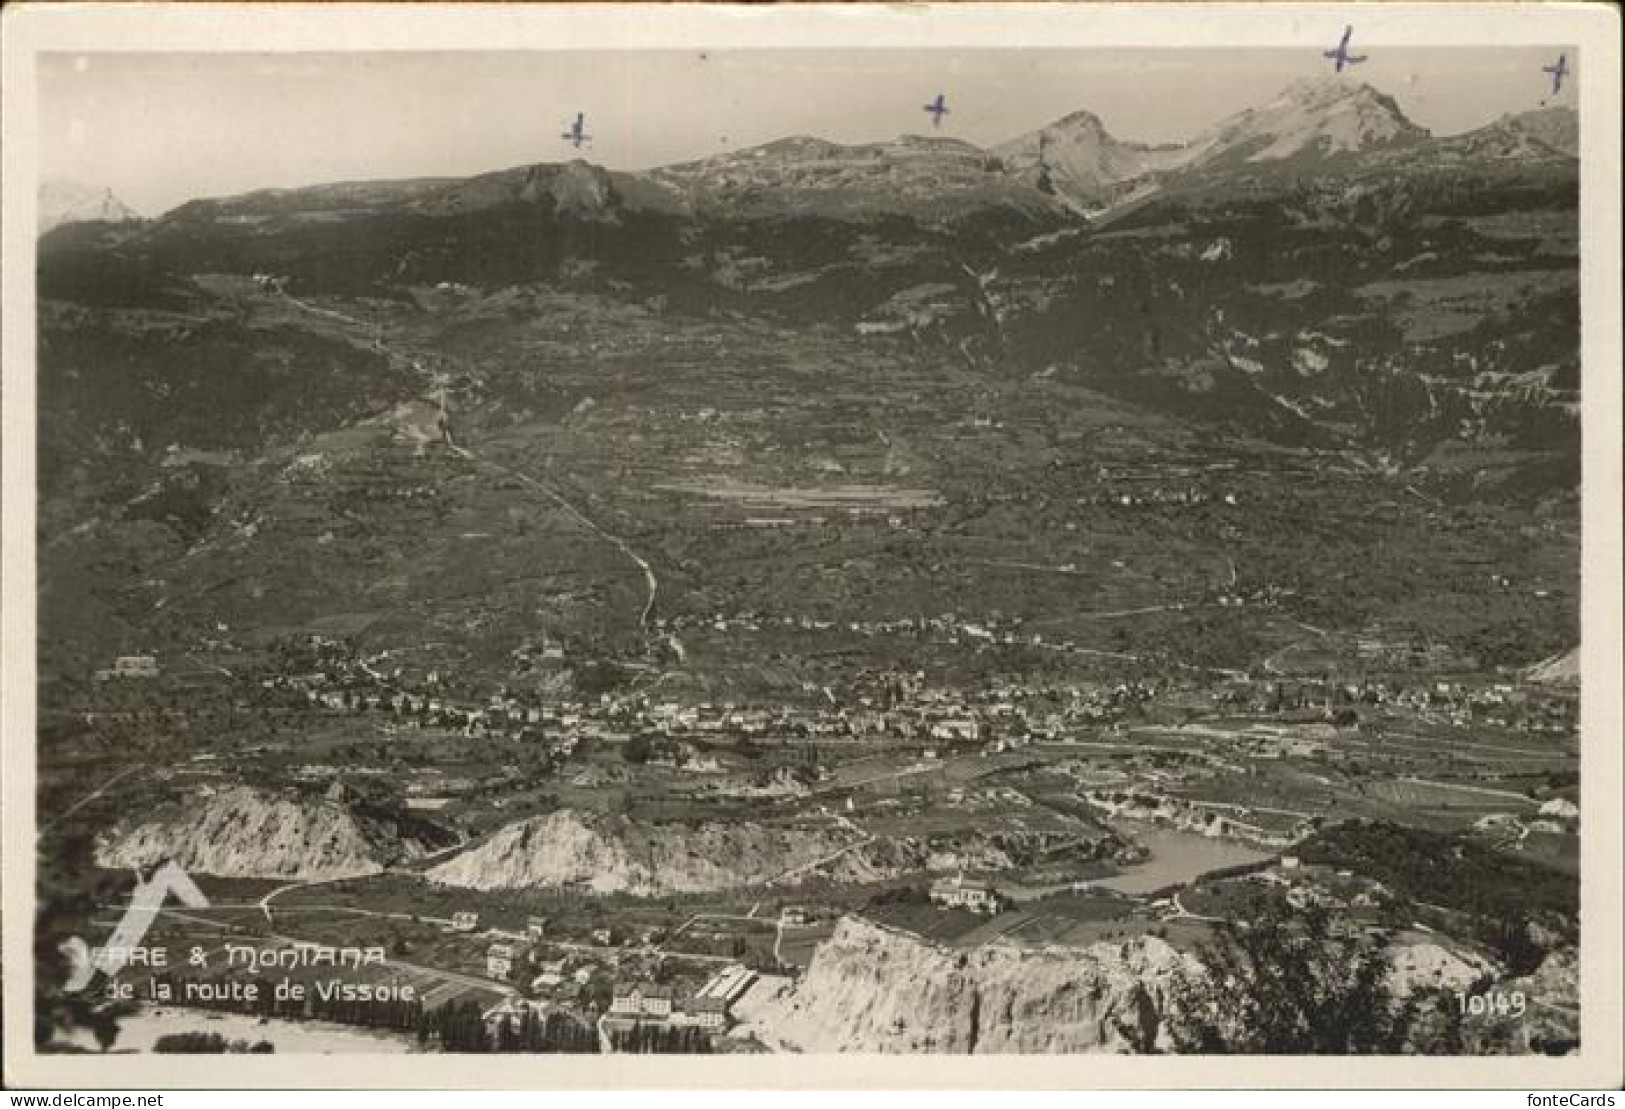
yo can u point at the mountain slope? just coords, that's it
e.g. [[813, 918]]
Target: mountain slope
[[1548, 133], [245, 832], [1310, 121]]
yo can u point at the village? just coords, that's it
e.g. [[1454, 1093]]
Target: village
[[1122, 808]]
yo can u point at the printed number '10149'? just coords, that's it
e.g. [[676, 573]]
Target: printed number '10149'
[[1493, 1003]]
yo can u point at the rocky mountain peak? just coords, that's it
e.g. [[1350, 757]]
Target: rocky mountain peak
[[1080, 123], [62, 200], [1311, 119], [1325, 90]]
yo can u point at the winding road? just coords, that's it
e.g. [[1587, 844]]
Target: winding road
[[89, 797]]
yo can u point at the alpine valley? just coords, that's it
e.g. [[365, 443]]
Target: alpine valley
[[952, 584]]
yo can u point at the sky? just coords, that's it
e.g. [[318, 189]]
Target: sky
[[160, 129]]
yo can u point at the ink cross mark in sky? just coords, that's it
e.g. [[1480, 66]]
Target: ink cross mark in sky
[[577, 134], [1559, 70], [1341, 56], [937, 109]]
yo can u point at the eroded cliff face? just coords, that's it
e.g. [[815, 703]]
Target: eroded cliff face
[[614, 855], [250, 833], [1425, 966], [872, 989]]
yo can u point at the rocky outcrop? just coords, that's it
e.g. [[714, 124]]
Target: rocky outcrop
[[1076, 157], [250, 833], [609, 854], [1424, 966], [872, 989]]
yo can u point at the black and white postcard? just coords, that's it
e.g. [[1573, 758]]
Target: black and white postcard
[[1026, 545]]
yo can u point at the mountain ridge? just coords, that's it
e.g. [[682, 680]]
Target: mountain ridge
[[1061, 169]]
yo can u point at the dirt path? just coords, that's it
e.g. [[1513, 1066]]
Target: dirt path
[[822, 861], [89, 797]]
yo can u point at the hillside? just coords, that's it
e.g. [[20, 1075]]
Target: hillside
[[243, 832], [616, 855], [1365, 337], [872, 989]]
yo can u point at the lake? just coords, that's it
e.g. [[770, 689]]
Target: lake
[[1176, 858]]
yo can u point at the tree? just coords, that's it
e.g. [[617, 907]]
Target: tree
[[1288, 983], [1510, 938], [636, 749], [190, 1043], [69, 892], [106, 1033]]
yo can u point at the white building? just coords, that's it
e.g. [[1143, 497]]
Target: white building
[[709, 1013], [959, 893], [499, 959], [956, 728], [641, 1001], [130, 666]]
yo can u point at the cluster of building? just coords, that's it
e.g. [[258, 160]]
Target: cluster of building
[[1501, 704], [130, 666], [710, 1007], [1158, 495], [960, 892], [889, 706]]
